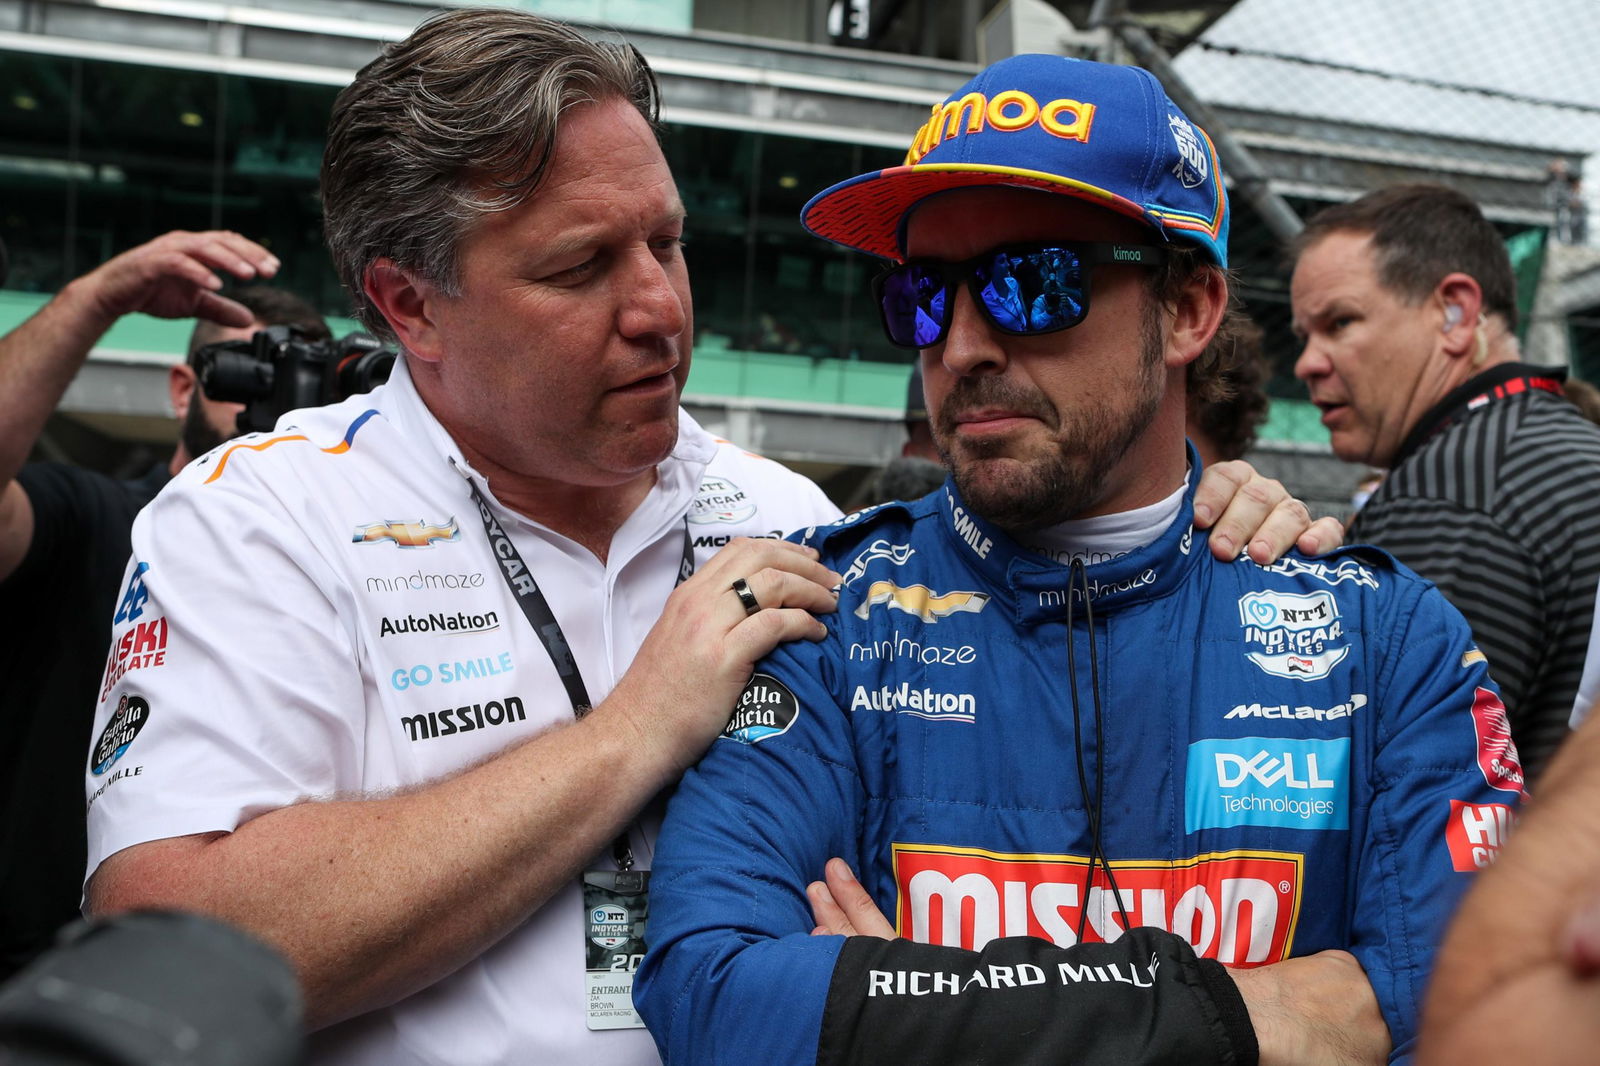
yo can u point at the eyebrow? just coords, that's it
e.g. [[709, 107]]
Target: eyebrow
[[560, 247]]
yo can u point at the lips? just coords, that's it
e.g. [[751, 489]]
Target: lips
[[1331, 410], [991, 421], [647, 383]]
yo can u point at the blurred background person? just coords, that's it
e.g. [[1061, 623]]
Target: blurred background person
[[918, 469], [1406, 302], [64, 543], [1585, 397]]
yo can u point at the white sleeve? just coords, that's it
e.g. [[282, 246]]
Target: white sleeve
[[1589, 683], [233, 686]]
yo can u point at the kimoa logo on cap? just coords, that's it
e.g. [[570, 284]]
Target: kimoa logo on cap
[[1007, 112]]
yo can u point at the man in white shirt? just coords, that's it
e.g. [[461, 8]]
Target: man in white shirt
[[412, 669]]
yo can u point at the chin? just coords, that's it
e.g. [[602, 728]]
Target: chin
[[643, 447], [1019, 495], [1359, 452]]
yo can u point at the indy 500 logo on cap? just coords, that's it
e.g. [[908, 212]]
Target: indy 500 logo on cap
[[1193, 165]]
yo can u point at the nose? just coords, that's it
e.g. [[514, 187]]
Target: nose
[[1312, 361], [970, 345], [656, 303]]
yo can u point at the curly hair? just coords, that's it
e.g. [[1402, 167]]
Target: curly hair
[[1231, 407], [1167, 282]]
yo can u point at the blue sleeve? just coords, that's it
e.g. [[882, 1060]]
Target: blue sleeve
[[1445, 780], [733, 974]]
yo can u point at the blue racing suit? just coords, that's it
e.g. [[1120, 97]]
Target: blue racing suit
[[1266, 761]]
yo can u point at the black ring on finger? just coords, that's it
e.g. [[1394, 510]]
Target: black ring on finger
[[741, 588]]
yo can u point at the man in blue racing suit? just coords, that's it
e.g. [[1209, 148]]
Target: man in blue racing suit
[[1104, 784]]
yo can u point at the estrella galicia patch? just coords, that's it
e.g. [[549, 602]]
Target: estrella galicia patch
[[765, 709], [131, 715]]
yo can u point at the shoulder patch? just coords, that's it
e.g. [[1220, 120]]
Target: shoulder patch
[[765, 709], [130, 717]]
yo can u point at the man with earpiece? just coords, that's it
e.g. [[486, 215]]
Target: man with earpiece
[[1406, 303]]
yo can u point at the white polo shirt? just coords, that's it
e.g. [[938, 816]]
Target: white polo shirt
[[318, 612]]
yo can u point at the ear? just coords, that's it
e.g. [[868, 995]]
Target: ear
[[1458, 333], [409, 303], [182, 389], [1196, 315]]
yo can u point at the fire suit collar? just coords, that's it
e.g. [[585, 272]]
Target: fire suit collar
[[1037, 587]]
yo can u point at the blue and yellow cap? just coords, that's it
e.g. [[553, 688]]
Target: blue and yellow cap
[[1102, 133]]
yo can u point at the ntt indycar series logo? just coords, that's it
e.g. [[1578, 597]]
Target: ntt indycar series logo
[[1294, 784], [1294, 635], [720, 500]]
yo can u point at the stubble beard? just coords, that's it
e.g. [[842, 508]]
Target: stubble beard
[[196, 433], [1055, 484]]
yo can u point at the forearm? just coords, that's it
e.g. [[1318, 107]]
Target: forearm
[[1021, 1001], [38, 360], [374, 899], [1144, 998], [1510, 925]]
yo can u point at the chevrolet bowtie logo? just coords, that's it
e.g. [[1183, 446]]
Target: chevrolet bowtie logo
[[921, 601], [418, 534]]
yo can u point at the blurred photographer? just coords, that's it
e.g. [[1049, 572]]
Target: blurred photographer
[[64, 542]]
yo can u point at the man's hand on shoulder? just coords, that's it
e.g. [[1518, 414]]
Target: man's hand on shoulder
[[1240, 507], [698, 656], [1317, 1010], [175, 276]]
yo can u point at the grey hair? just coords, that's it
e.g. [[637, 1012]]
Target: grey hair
[[456, 121]]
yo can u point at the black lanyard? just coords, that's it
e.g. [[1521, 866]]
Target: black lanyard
[[519, 579]]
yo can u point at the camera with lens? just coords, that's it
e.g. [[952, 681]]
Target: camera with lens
[[281, 369]]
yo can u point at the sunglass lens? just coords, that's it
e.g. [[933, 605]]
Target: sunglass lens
[[913, 306], [1035, 291]]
